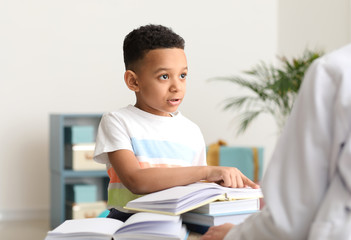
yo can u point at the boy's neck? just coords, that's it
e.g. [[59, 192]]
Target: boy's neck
[[168, 115]]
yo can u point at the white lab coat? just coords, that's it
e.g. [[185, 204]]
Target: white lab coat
[[307, 185]]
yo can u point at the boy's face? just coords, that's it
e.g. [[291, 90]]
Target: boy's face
[[161, 81]]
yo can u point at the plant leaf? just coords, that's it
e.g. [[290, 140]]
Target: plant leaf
[[273, 89], [246, 119]]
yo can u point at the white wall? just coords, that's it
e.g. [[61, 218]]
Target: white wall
[[313, 24], [66, 56]]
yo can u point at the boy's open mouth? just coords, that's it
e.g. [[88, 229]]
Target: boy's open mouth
[[174, 101]]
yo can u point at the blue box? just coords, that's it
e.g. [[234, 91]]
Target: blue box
[[79, 134], [249, 160], [81, 193]]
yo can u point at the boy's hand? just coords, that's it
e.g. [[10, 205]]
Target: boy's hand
[[229, 177], [217, 232], [151, 179]]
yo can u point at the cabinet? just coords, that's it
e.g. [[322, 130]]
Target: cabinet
[[60, 174]]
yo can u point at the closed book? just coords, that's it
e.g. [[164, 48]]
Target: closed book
[[229, 206], [216, 219]]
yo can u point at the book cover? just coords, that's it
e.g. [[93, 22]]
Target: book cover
[[216, 219], [252, 204], [181, 199]]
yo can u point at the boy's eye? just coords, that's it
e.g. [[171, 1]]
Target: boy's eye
[[164, 77], [183, 76]]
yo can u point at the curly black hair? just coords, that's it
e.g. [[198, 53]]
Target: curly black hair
[[145, 38]]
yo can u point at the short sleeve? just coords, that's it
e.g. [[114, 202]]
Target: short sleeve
[[112, 135]]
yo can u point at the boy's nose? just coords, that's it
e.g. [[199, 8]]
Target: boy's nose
[[176, 86]]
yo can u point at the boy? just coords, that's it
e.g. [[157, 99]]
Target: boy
[[150, 146]]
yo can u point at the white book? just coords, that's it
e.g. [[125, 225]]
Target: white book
[[138, 226], [241, 205], [209, 220], [181, 199]]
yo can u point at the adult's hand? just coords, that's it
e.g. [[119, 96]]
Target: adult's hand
[[217, 232]]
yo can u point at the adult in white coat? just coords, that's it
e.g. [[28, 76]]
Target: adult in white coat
[[307, 185]]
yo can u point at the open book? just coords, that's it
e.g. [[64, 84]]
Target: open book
[[138, 226], [181, 199]]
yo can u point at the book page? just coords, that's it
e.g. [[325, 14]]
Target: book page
[[103, 226], [151, 224], [243, 193], [175, 193], [150, 217], [180, 234]]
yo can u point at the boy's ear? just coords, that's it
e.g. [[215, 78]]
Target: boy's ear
[[130, 78]]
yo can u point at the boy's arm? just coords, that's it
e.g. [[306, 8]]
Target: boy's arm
[[146, 180]]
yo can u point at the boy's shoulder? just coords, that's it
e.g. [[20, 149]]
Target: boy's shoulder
[[120, 112]]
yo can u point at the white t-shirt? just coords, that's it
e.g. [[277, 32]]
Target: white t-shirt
[[156, 141]]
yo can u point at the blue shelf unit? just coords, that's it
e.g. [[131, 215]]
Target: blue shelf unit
[[60, 176]]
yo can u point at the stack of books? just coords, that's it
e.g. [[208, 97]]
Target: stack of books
[[202, 205], [220, 212], [198, 206]]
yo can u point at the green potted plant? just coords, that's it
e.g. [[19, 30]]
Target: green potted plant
[[272, 89]]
